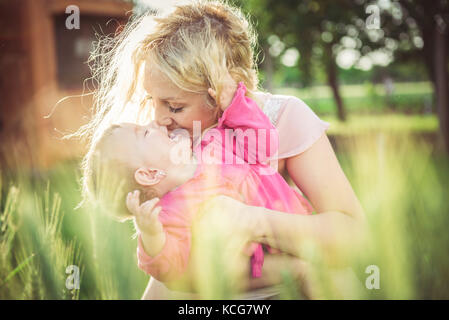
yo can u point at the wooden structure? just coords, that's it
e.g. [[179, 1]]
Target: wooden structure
[[41, 62]]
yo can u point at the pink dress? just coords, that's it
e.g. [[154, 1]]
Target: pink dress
[[247, 178]]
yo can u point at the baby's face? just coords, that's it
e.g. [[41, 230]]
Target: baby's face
[[150, 146]]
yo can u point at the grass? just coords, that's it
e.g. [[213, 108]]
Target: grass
[[400, 179], [358, 90], [367, 98], [402, 184], [38, 219], [394, 123]]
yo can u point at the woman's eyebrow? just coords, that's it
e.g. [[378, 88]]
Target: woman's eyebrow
[[167, 98], [170, 99]]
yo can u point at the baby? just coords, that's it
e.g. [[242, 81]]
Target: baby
[[175, 181]]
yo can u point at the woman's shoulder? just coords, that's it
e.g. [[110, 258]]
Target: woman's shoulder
[[271, 104], [298, 125], [277, 106]]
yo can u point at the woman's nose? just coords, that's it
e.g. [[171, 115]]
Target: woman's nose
[[166, 121], [163, 119]]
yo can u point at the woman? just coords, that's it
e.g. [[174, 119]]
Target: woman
[[179, 66]]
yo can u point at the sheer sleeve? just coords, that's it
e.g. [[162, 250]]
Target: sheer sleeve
[[298, 126]]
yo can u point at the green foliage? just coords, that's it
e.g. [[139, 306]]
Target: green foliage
[[400, 178], [42, 234], [402, 182], [32, 249], [414, 98]]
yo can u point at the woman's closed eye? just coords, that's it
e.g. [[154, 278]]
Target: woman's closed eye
[[175, 110]]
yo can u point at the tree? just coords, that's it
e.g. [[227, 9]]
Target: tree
[[314, 28], [413, 30], [421, 29]]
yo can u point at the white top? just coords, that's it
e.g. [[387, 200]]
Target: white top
[[298, 126]]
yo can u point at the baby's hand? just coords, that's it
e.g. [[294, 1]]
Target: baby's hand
[[227, 93], [146, 214]]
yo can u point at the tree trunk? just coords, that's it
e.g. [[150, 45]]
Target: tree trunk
[[268, 68], [332, 80], [441, 83]]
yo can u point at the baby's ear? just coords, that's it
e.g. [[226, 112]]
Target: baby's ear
[[148, 177]]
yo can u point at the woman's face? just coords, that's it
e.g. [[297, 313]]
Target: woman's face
[[174, 107]]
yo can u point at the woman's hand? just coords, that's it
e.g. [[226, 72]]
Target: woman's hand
[[234, 218], [278, 266], [223, 233]]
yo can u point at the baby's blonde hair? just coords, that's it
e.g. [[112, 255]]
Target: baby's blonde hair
[[108, 178], [194, 45]]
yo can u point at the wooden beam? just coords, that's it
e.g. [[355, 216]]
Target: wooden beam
[[114, 8]]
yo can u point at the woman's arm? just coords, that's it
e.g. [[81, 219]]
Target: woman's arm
[[340, 220], [337, 228], [274, 265], [318, 174]]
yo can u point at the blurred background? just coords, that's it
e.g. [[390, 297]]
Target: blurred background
[[377, 71]]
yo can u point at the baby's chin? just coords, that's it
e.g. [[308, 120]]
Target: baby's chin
[[181, 152], [181, 137], [180, 132]]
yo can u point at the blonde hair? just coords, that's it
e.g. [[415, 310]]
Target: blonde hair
[[194, 45], [108, 178], [198, 44]]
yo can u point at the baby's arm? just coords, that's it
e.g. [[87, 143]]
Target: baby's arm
[[163, 249], [151, 232], [249, 124]]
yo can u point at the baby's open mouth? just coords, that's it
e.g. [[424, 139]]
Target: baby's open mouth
[[174, 137], [177, 137]]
